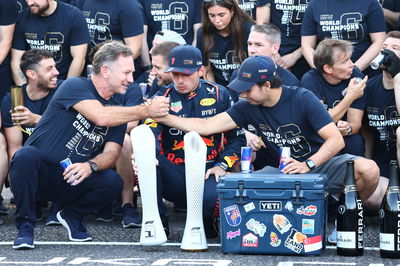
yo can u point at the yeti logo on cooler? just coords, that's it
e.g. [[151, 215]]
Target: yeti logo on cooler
[[270, 206]]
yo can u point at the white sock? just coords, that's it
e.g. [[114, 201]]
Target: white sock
[[375, 200]]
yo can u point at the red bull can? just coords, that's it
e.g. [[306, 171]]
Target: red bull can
[[245, 161], [64, 164], [285, 154]]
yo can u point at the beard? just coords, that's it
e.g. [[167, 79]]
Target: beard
[[37, 10]]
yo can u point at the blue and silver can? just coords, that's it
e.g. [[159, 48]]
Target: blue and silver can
[[64, 164], [245, 160], [285, 155]]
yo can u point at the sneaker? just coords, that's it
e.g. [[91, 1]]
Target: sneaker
[[24, 238], [117, 207], [104, 214], [75, 228], [332, 239], [3, 209], [211, 227], [130, 216], [165, 223], [52, 216]]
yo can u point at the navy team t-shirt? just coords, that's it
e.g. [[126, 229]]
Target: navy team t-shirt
[[35, 106], [179, 16], [111, 19], [292, 122], [64, 132], [383, 119], [64, 28], [288, 17], [8, 16], [222, 57], [330, 95], [250, 6], [344, 20]]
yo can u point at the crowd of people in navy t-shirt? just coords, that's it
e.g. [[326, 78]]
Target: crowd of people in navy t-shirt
[[222, 31]]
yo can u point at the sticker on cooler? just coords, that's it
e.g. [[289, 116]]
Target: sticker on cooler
[[295, 240], [281, 223], [307, 226], [270, 206], [289, 206], [312, 243], [256, 227], [249, 207], [346, 239], [232, 234], [232, 215], [307, 211], [275, 241], [250, 240], [386, 241]]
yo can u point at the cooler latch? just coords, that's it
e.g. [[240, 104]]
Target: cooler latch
[[240, 188], [298, 197]]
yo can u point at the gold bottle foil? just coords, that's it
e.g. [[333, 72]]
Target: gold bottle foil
[[17, 97]]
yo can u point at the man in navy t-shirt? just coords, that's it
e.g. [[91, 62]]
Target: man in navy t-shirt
[[82, 124], [41, 74], [184, 17], [382, 105], [54, 26], [289, 117], [256, 9], [334, 82], [288, 17], [113, 20], [359, 21]]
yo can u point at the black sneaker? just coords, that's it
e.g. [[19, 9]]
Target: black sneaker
[[211, 227], [3, 209], [24, 238], [130, 216], [76, 230], [104, 214], [52, 216]]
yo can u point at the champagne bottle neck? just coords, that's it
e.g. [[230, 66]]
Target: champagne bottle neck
[[349, 179]]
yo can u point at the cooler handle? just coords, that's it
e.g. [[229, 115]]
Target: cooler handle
[[298, 194]]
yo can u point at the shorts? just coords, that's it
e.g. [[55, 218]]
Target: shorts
[[334, 169]]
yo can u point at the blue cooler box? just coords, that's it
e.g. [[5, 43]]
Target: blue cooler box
[[272, 213]]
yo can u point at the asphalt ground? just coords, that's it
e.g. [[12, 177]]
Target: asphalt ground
[[115, 245]]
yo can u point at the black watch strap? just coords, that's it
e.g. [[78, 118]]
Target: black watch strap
[[93, 166]]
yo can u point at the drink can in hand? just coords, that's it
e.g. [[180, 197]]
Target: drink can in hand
[[285, 155], [64, 164], [246, 160]]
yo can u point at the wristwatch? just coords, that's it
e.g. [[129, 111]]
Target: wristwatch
[[223, 165], [93, 166], [310, 164]]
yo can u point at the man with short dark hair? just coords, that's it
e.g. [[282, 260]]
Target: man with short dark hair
[[159, 61], [84, 125]]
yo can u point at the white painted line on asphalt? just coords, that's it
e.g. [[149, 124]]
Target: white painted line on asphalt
[[291, 263], [71, 243]]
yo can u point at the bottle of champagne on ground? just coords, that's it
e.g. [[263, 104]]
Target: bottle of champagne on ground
[[389, 216], [350, 219]]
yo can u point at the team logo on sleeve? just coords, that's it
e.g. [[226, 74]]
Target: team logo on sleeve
[[232, 215]]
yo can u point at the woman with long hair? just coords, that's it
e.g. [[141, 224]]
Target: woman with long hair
[[223, 38]]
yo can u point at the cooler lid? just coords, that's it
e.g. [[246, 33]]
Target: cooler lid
[[258, 180]]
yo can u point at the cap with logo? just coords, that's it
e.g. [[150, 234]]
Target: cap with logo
[[253, 70], [184, 59]]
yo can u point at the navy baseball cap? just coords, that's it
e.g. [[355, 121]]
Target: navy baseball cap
[[184, 59], [254, 69]]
